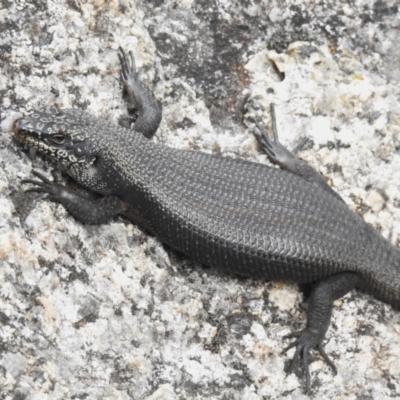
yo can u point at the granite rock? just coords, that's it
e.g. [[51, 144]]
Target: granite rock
[[108, 312]]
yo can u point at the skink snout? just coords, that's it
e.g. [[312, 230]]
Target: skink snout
[[15, 126], [18, 128]]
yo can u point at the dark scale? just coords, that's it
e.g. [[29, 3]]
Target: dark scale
[[232, 214]]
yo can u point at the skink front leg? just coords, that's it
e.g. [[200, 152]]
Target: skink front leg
[[83, 208], [139, 96]]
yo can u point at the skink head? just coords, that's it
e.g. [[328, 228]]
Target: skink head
[[58, 134]]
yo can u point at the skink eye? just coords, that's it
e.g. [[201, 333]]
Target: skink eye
[[58, 139]]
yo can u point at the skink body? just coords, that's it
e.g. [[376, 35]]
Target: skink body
[[243, 217]]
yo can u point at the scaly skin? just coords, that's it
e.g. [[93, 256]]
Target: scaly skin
[[232, 214]]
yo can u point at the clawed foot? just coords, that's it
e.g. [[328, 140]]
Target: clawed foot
[[306, 340], [52, 188], [275, 151], [129, 75]]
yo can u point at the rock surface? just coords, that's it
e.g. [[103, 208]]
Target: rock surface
[[106, 312]]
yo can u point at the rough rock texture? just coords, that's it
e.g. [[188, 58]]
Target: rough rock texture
[[106, 312]]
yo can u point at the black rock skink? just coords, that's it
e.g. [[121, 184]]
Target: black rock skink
[[247, 218]]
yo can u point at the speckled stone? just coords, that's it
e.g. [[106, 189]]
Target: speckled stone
[[107, 312]]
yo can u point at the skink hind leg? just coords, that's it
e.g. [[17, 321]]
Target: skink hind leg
[[139, 96], [322, 297], [82, 207], [280, 155]]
